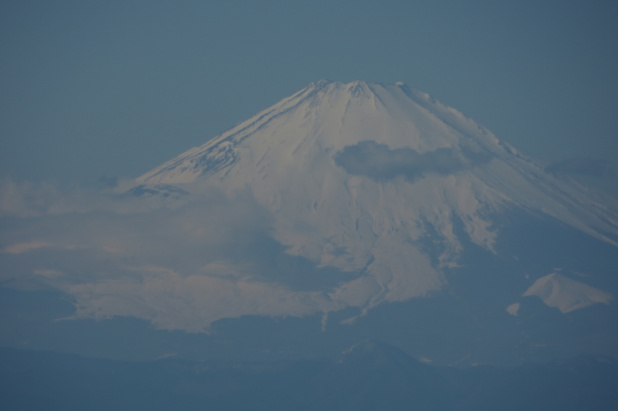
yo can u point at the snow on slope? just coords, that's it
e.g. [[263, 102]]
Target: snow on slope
[[298, 138], [566, 294], [357, 174]]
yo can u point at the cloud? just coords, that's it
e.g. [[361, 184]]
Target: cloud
[[184, 259], [172, 300], [20, 248], [380, 163], [179, 263], [27, 200]]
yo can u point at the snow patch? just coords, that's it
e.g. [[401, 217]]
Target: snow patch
[[565, 294], [513, 309]]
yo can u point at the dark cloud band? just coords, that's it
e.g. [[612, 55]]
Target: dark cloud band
[[380, 163]]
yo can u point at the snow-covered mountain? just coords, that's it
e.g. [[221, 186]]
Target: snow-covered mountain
[[360, 176], [345, 212]]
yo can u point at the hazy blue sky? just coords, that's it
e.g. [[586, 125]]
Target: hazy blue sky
[[92, 88]]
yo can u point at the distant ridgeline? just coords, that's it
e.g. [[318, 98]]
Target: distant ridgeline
[[369, 376]]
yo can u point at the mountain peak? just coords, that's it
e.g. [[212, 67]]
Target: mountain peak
[[366, 178], [326, 83], [354, 88], [333, 115]]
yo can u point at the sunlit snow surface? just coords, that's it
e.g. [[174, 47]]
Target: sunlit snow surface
[[351, 177], [566, 294]]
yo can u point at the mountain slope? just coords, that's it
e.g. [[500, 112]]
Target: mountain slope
[[344, 212], [359, 175]]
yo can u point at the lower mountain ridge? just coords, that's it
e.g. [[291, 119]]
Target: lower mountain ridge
[[368, 376]]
